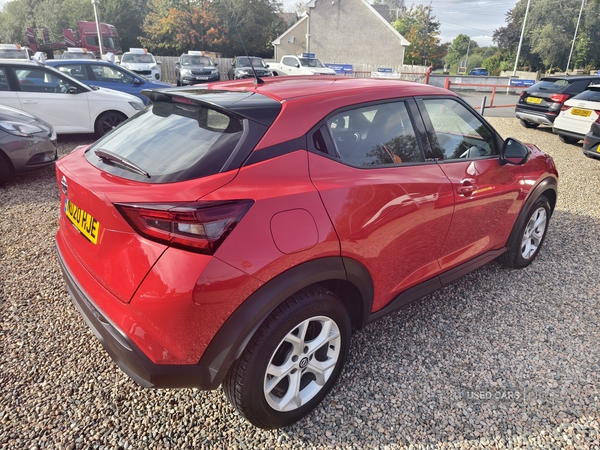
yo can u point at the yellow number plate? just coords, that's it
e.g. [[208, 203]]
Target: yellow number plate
[[534, 100], [581, 112], [85, 223]]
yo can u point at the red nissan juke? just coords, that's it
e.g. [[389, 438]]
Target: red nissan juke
[[237, 233]]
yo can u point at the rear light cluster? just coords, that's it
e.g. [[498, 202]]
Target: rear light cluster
[[559, 98], [565, 108], [200, 227]]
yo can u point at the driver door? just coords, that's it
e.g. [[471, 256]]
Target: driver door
[[44, 93], [487, 195]]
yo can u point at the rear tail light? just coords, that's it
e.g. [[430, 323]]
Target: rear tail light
[[522, 95], [565, 108], [198, 227], [559, 98]]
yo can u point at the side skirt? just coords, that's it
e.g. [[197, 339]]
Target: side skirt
[[429, 286]]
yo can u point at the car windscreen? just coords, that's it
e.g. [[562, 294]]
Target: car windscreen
[[593, 95], [311, 62], [256, 62], [170, 142], [191, 60], [549, 85]]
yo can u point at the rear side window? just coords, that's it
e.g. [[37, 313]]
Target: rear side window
[[376, 135], [590, 96], [170, 142]]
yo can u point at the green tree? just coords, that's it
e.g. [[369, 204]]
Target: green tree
[[461, 45], [255, 23], [549, 33], [175, 26], [419, 27]]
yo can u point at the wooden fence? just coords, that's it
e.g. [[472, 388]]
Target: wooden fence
[[407, 72]]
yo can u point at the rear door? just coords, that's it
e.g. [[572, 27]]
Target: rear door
[[488, 196], [390, 208]]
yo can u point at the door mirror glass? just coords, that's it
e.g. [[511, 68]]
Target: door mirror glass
[[513, 152], [72, 90], [137, 81]]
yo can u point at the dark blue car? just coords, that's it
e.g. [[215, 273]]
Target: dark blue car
[[107, 75]]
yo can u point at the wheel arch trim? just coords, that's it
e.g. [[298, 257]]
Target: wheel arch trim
[[548, 183], [231, 339]]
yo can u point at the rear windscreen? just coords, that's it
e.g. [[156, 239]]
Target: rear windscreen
[[169, 142], [549, 85], [590, 96]]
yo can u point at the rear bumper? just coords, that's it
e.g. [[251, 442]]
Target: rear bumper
[[570, 134], [126, 354], [539, 118]]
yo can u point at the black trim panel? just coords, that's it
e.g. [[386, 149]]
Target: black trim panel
[[277, 150]]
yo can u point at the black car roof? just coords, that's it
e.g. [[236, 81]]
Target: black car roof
[[571, 78]]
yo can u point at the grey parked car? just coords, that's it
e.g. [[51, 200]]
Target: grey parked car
[[240, 68], [195, 68], [26, 142]]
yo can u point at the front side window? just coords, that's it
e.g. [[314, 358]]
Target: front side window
[[290, 62], [375, 135], [459, 134], [75, 70]]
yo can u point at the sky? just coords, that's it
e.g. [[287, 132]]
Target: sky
[[475, 18]]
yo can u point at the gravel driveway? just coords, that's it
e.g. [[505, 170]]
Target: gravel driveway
[[500, 358]]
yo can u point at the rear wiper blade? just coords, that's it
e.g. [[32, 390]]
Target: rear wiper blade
[[105, 155]]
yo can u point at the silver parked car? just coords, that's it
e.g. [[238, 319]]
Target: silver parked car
[[26, 142]]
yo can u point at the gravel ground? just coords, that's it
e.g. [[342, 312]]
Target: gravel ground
[[501, 358]]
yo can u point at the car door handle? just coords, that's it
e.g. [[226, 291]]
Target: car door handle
[[30, 102], [467, 188]]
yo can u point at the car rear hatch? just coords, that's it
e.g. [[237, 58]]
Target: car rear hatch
[[541, 96], [175, 152]]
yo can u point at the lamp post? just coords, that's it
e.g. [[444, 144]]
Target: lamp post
[[574, 37], [95, 3], [521, 39]]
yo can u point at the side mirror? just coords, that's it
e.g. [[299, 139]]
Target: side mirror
[[72, 90], [177, 63], [513, 152], [233, 64], [297, 66], [159, 63], [267, 65], [138, 81]]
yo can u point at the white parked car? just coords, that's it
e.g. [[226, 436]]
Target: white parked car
[[62, 101], [138, 60], [577, 115]]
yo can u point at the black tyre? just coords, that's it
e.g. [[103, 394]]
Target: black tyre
[[528, 124], [5, 169], [107, 121], [567, 139], [530, 238], [292, 361]]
